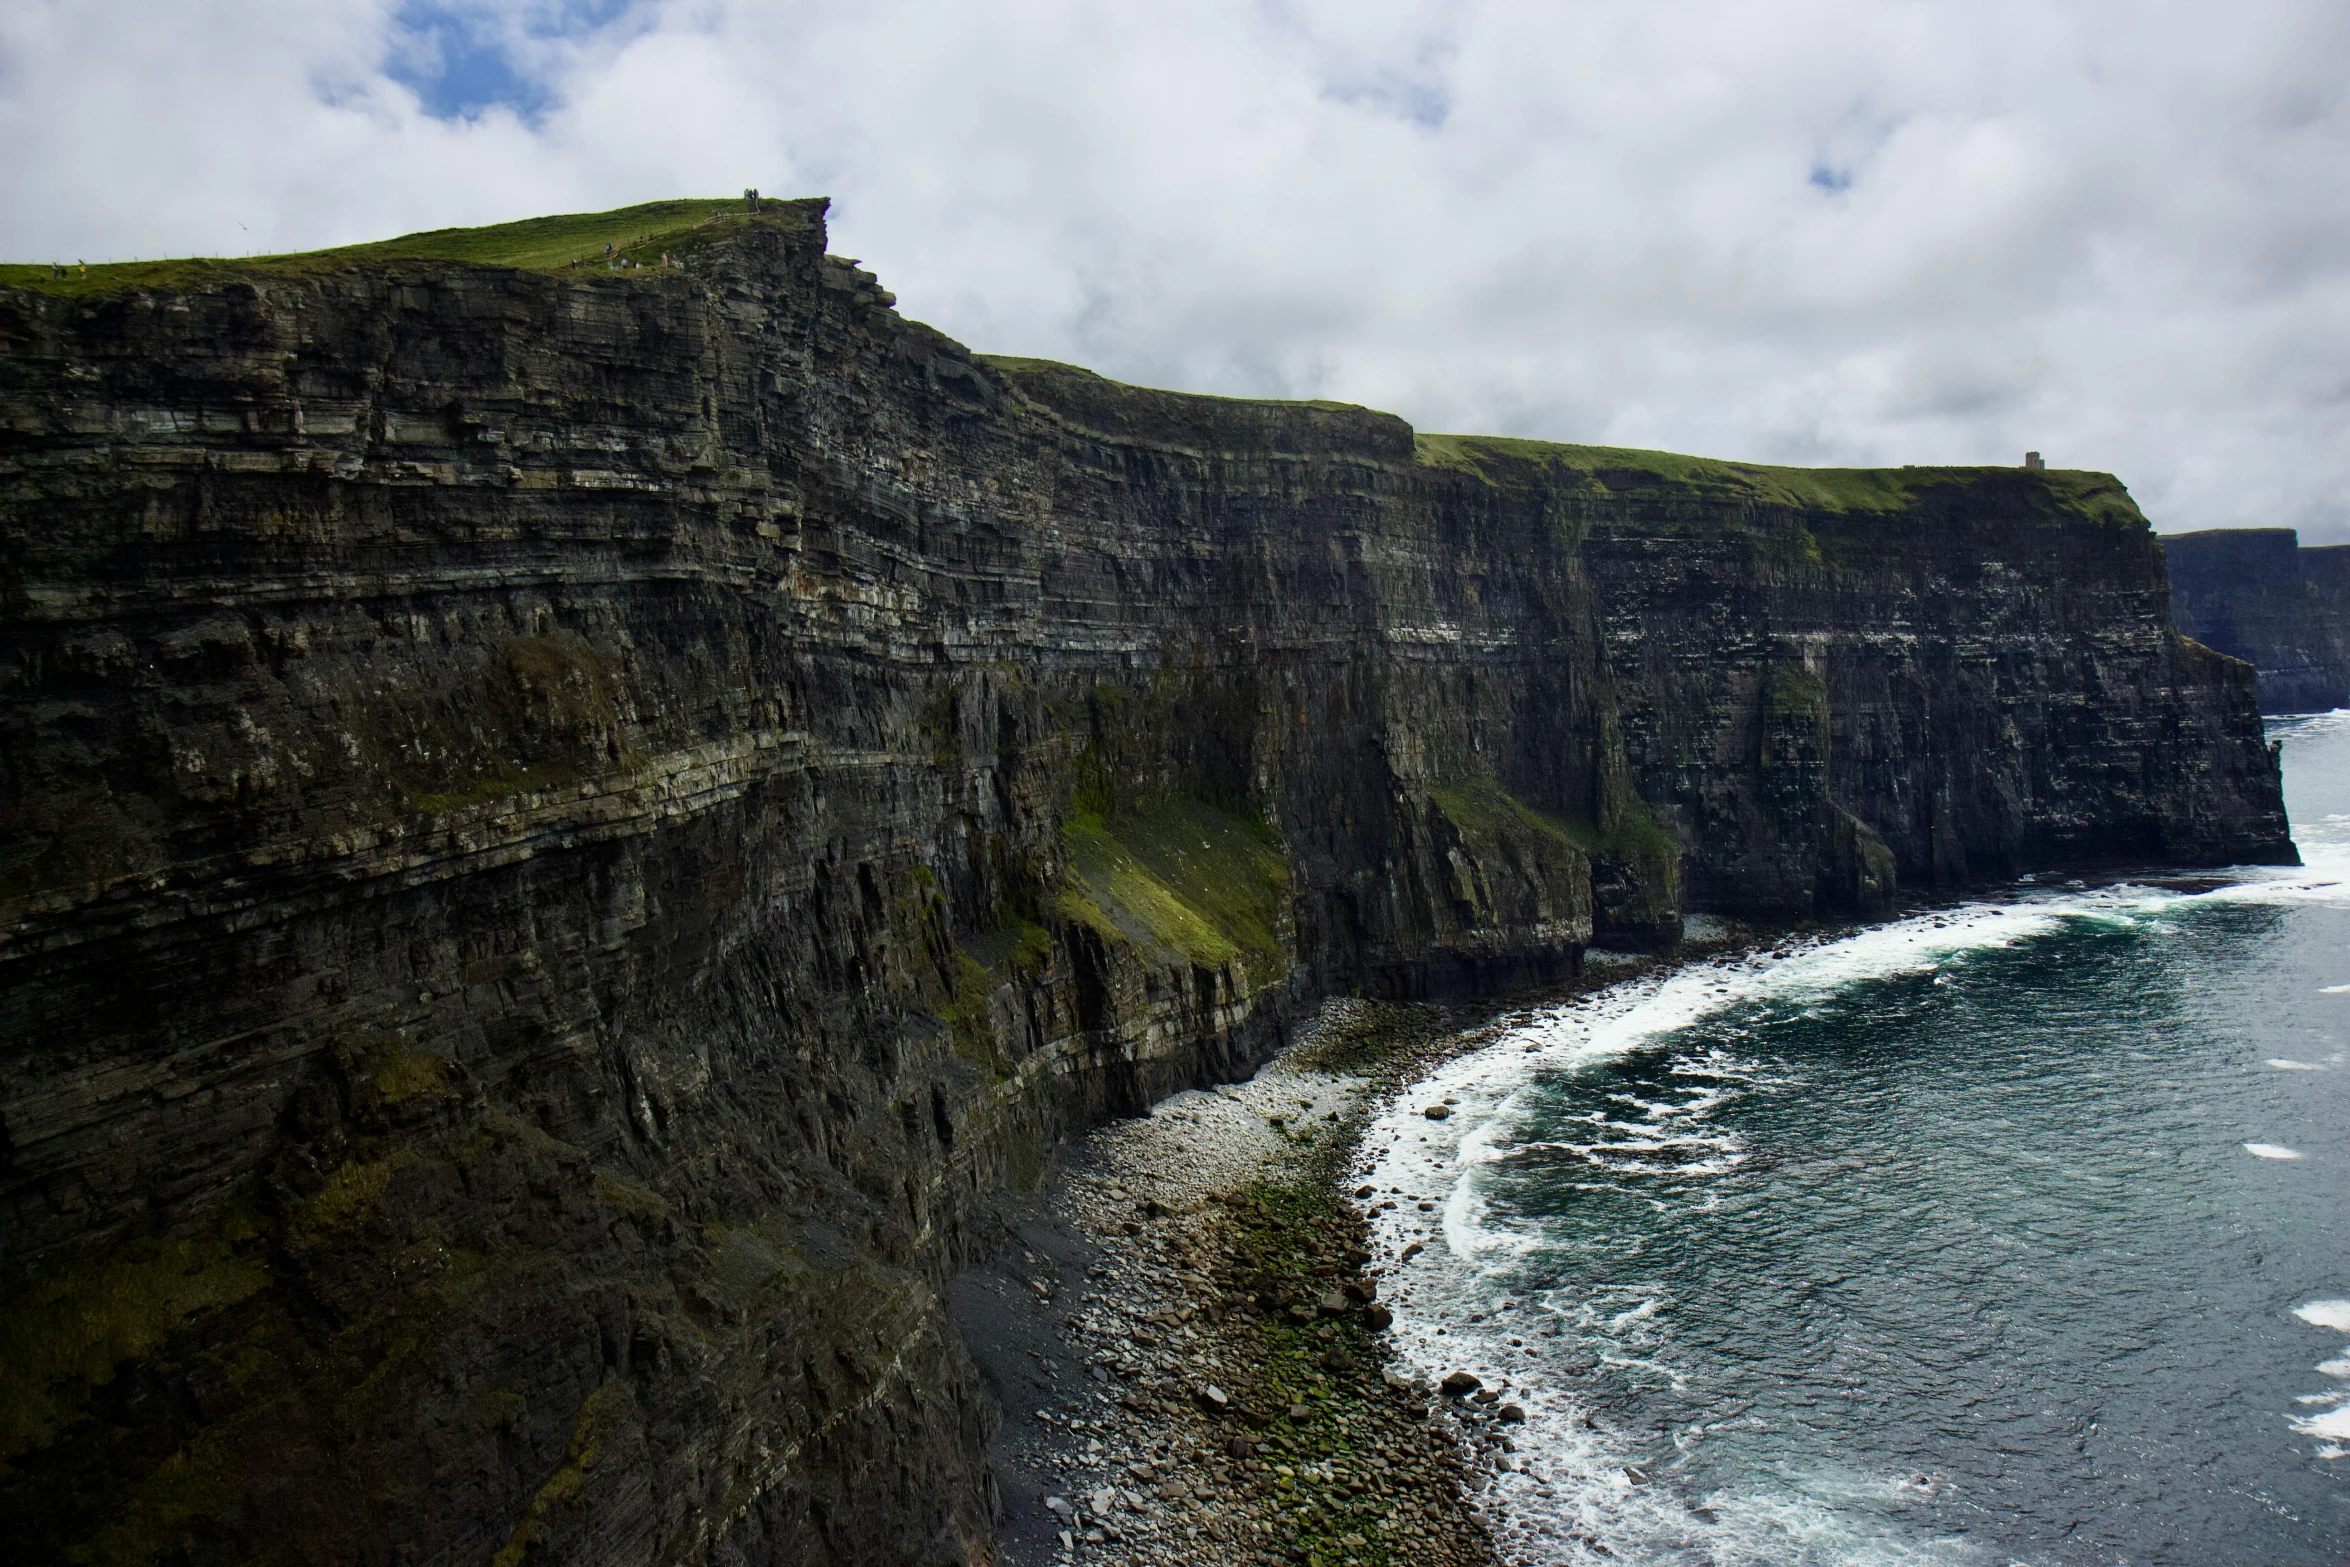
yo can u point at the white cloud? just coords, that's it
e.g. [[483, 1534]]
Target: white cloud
[[1813, 231]]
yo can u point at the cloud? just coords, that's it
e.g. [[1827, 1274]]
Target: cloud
[[1807, 232]]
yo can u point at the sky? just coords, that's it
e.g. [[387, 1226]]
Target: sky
[[1792, 231]]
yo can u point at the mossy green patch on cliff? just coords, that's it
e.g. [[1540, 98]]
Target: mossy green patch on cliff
[[385, 1069], [589, 1431], [1566, 848], [352, 1192], [1013, 951], [1793, 693], [64, 1334], [1013, 947], [1795, 710], [640, 233], [544, 713], [1480, 807], [188, 1487], [2099, 497], [968, 972], [969, 1020], [1629, 833], [1184, 877], [623, 1193], [1509, 860]]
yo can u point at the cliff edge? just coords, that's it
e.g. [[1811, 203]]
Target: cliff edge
[[569, 826]]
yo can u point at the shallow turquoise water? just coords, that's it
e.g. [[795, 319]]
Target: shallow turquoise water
[[2013, 1233]]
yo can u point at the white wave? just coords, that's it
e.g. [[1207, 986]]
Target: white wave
[[2284, 1065], [2335, 1368], [2333, 1314], [1648, 1141], [2333, 990], [2332, 1426], [2323, 877], [2271, 1151]]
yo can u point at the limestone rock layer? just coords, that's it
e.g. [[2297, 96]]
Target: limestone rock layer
[[567, 834]]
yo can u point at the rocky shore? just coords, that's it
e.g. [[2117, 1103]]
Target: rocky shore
[[1187, 1339], [1186, 1332]]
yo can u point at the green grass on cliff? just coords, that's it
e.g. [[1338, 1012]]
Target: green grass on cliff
[[1629, 471], [1610, 471], [1183, 877], [644, 233], [1051, 375], [538, 244], [63, 1337]]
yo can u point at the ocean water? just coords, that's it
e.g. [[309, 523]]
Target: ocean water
[[2012, 1233]]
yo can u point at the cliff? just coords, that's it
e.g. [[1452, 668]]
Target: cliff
[[2257, 595], [568, 829]]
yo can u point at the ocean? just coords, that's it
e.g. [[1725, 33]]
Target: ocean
[[2012, 1232]]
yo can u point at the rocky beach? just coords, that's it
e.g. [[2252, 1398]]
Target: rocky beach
[[1187, 1333], [1211, 1386]]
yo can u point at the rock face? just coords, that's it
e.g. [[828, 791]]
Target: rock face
[[2257, 595], [1827, 686], [564, 835]]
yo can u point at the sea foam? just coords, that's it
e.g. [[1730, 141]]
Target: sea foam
[[2332, 1426], [1467, 1251]]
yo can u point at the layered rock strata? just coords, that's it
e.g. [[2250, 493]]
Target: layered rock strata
[[566, 832], [2257, 594]]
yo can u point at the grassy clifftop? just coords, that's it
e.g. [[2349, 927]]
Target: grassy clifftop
[[1098, 403], [641, 234], [1629, 471], [1199, 422], [644, 233]]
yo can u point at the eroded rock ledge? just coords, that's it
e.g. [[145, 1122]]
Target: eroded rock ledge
[[565, 830]]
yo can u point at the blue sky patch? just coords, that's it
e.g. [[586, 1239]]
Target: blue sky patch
[[464, 58]]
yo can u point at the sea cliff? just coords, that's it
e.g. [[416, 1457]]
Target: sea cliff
[[2260, 595], [568, 830]]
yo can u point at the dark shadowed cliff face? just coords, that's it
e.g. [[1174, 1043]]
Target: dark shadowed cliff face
[[2257, 595], [1980, 679], [564, 834]]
